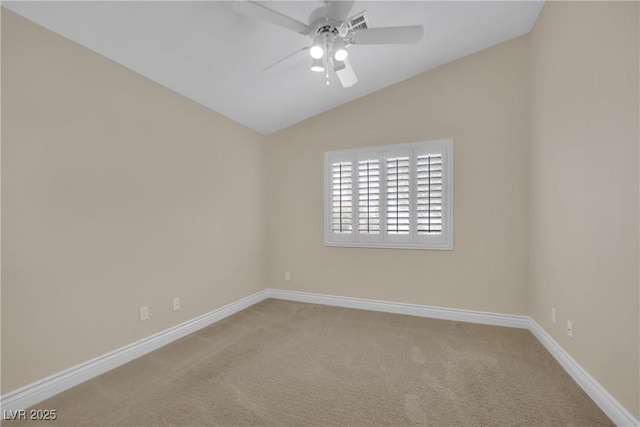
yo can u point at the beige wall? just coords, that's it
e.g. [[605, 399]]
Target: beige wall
[[584, 187], [481, 102], [116, 193]]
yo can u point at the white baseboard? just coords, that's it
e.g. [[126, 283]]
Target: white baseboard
[[54, 384], [609, 405], [40, 390], [508, 320]]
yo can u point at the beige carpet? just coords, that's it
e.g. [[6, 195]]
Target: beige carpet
[[284, 363]]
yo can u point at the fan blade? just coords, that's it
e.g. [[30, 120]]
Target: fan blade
[[388, 35], [339, 9], [286, 57], [255, 10], [345, 73]]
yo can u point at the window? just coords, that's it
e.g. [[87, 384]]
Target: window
[[395, 196]]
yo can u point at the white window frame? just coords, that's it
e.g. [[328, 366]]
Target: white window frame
[[442, 241]]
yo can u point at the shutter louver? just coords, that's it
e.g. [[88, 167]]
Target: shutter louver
[[398, 195], [369, 196], [342, 196], [429, 194]]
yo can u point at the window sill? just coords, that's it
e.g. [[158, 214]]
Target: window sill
[[433, 247]]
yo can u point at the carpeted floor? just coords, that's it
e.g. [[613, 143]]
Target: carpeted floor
[[284, 363]]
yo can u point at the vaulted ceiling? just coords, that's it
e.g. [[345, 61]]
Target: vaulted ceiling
[[208, 52]]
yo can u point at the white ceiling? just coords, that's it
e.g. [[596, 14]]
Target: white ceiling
[[211, 54]]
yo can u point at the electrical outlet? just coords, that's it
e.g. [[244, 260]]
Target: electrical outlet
[[553, 315], [144, 313], [570, 328], [176, 304], [287, 275]]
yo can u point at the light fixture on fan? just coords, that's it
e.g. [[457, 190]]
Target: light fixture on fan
[[317, 48], [340, 52], [327, 44], [334, 52], [317, 65]]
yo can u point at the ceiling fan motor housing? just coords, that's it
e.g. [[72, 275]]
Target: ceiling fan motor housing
[[328, 34], [327, 29]]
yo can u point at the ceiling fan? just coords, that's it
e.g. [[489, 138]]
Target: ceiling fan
[[332, 31]]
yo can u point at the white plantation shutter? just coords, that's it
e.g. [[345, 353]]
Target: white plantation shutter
[[369, 196], [398, 209], [429, 194], [342, 198], [396, 196]]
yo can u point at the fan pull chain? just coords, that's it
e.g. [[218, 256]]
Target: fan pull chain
[[326, 66]]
